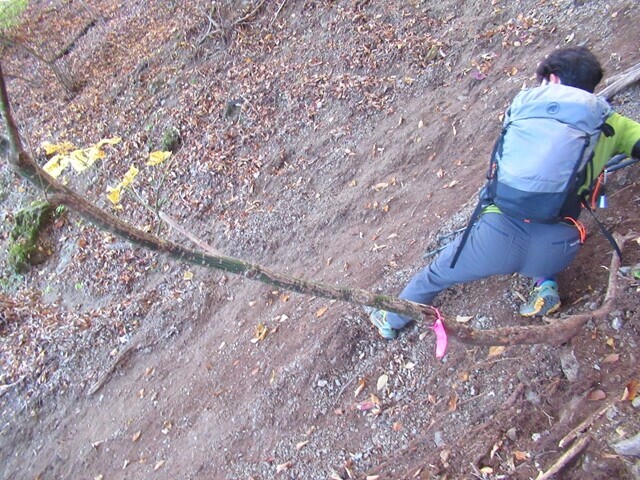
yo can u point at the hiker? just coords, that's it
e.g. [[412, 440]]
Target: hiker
[[523, 240]]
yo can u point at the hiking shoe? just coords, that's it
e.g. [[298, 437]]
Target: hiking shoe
[[379, 320], [544, 300]]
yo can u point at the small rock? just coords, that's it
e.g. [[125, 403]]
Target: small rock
[[438, 439], [629, 447], [512, 433], [322, 383], [569, 364], [616, 324], [532, 397], [612, 413], [536, 437], [636, 402]]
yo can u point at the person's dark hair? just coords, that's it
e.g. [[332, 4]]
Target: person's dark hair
[[576, 67]]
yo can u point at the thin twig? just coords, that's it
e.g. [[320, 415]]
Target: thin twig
[[277, 13], [586, 424], [212, 23], [249, 15], [120, 358], [565, 458], [174, 224]]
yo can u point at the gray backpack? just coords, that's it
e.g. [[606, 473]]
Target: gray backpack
[[540, 160]]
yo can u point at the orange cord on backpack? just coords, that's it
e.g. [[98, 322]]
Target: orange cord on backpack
[[581, 228], [596, 191]]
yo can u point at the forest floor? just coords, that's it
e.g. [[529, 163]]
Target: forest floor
[[335, 141]]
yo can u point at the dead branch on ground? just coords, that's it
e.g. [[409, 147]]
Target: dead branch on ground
[[584, 425], [565, 458], [622, 81], [223, 28], [556, 333]]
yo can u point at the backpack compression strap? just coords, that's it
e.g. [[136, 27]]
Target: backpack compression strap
[[604, 231]]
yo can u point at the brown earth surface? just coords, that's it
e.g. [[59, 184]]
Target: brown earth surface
[[335, 141]]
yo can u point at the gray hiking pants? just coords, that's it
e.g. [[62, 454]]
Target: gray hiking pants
[[497, 245]]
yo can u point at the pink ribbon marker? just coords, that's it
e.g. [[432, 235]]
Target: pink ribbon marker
[[441, 335]]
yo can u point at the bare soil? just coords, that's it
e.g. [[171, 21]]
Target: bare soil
[[335, 141]]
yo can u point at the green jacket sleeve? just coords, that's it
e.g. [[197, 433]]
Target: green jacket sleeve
[[624, 140]]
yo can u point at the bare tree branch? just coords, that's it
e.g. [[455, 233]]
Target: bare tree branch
[[622, 81], [556, 333], [565, 458]]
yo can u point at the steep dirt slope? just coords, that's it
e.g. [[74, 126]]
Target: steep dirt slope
[[334, 141]]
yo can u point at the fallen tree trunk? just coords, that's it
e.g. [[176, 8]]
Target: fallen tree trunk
[[58, 193]]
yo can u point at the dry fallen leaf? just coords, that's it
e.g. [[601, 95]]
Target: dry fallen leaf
[[167, 425], [452, 404], [261, 333], [596, 394], [159, 465], [486, 470], [495, 351], [383, 380], [361, 385], [300, 445], [284, 466], [409, 366], [366, 405], [611, 358], [321, 312], [136, 436], [396, 427], [373, 477], [463, 319], [494, 449], [380, 186], [463, 376], [631, 390], [611, 342], [521, 456]]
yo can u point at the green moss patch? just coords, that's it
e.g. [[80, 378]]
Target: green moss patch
[[24, 245]]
